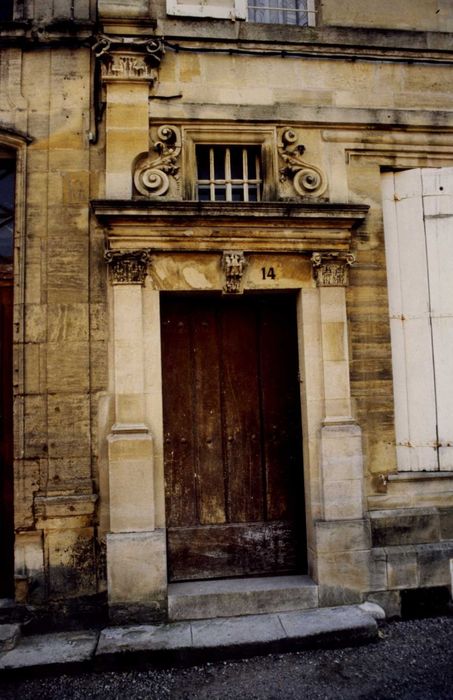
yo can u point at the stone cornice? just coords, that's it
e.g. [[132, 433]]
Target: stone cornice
[[209, 226]]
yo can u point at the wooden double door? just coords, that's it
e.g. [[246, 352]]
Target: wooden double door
[[6, 437], [232, 436]]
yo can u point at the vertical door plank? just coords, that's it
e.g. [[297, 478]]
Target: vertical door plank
[[280, 406], [178, 414], [241, 411], [207, 414]]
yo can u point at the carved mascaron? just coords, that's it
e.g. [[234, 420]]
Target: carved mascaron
[[331, 269], [128, 266], [233, 264]]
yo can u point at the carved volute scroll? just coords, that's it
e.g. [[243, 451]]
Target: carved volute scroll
[[331, 269], [233, 264], [128, 266], [128, 58], [307, 180], [156, 174]]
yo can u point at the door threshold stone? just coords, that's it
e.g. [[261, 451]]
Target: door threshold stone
[[197, 600]]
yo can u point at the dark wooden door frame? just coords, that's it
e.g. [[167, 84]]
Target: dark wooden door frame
[[243, 413]]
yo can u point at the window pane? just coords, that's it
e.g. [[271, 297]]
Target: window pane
[[7, 181], [220, 194], [236, 163], [6, 10], [203, 162], [219, 162], [253, 193], [253, 163], [204, 194]]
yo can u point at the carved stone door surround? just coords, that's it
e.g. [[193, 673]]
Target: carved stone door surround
[[155, 246]]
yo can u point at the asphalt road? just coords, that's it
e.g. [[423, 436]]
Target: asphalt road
[[413, 660]]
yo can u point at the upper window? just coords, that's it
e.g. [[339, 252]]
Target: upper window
[[279, 12], [7, 187], [228, 173], [298, 12]]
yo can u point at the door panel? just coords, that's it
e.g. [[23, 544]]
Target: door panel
[[6, 440], [233, 465]]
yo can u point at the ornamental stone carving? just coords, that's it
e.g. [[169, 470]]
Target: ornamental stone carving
[[128, 58], [128, 266], [156, 174], [307, 180], [233, 264], [331, 269]]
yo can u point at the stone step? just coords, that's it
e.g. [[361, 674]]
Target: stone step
[[198, 600]]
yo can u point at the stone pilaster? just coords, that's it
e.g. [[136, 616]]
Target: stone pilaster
[[128, 72], [135, 549], [341, 455]]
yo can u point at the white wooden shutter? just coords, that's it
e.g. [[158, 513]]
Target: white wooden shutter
[[216, 9], [438, 215], [418, 216]]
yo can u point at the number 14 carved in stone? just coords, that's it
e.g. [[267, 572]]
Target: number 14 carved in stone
[[268, 273]]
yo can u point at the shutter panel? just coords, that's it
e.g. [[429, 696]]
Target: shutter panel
[[410, 323], [216, 9], [438, 215]]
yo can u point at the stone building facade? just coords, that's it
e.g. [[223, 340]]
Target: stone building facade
[[228, 240]]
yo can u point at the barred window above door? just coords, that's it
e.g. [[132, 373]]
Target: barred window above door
[[230, 173]]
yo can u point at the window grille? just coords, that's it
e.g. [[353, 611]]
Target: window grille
[[7, 186], [229, 173], [279, 12]]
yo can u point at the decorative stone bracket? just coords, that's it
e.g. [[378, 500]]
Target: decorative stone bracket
[[158, 175], [307, 180], [233, 264], [128, 266], [128, 58], [331, 269]]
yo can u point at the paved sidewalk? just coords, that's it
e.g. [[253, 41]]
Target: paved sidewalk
[[191, 641]]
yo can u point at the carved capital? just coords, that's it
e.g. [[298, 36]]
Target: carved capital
[[233, 264], [156, 174], [307, 180], [331, 269], [128, 58], [128, 266]]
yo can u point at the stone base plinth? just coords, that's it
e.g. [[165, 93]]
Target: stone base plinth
[[137, 576]]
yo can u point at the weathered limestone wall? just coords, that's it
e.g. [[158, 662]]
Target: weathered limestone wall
[[413, 15], [57, 370], [51, 10]]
